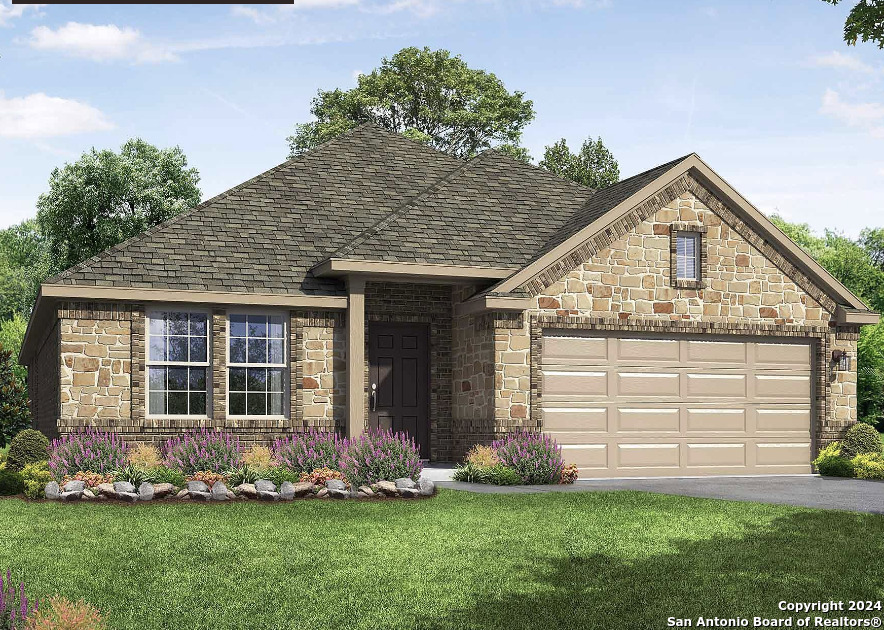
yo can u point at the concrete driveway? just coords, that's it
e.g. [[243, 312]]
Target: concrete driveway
[[812, 491]]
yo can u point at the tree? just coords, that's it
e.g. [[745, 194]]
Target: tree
[[14, 412], [24, 264], [594, 165], [864, 22], [12, 334], [431, 96], [105, 197]]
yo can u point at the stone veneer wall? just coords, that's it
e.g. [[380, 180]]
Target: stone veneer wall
[[319, 397], [626, 281], [421, 303]]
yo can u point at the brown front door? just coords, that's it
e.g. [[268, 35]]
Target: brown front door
[[399, 380]]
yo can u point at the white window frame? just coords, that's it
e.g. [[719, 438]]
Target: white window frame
[[697, 238], [148, 363], [285, 365]]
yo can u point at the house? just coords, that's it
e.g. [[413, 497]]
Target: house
[[661, 326]]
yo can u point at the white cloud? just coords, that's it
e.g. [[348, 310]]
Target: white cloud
[[269, 17], [106, 42], [869, 116], [9, 11], [841, 61], [42, 116]]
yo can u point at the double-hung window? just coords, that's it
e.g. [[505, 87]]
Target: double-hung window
[[256, 365], [687, 252], [177, 363]]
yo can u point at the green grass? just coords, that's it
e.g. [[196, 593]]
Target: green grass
[[559, 560]]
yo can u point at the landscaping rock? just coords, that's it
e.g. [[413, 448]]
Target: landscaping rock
[[123, 486], [105, 489], [75, 486], [387, 487], [101, 497], [303, 488], [161, 490], [361, 495], [287, 491], [268, 495], [219, 491], [409, 493], [197, 486], [52, 492], [368, 492], [145, 491], [71, 495], [196, 495], [337, 493], [247, 489], [335, 484], [182, 494], [88, 494], [323, 492], [405, 482], [231, 495], [128, 497], [264, 485], [427, 487]]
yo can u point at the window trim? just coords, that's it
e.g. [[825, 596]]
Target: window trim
[[698, 232], [285, 365], [148, 362]]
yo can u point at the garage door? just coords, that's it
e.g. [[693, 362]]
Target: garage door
[[651, 406]]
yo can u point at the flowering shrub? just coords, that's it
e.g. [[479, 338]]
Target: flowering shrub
[[208, 477], [319, 476], [15, 609], [202, 450], [91, 479], [569, 474], [258, 457], [35, 477], [304, 452], [378, 455], [481, 455], [63, 614], [144, 456], [536, 457], [87, 450]]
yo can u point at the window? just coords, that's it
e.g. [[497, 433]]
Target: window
[[177, 364], [687, 251], [256, 366]]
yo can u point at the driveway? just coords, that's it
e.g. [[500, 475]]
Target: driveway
[[811, 491]]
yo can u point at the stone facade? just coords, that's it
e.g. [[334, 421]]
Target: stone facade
[[321, 371]]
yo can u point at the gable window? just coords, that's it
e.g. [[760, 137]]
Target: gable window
[[256, 372], [177, 363], [687, 252]]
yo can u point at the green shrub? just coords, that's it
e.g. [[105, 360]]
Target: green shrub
[[11, 482], [163, 474], [471, 473], [498, 475], [868, 466], [27, 447], [860, 439], [245, 474], [36, 475], [834, 466], [280, 474], [136, 475]]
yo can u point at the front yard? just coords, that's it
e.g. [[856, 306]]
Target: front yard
[[606, 560]]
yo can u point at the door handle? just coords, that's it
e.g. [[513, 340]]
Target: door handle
[[373, 398]]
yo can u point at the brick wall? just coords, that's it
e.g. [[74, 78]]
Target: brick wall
[[43, 385]]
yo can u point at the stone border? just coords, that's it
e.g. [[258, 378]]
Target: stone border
[[818, 335]]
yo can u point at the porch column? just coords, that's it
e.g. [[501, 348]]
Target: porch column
[[355, 356]]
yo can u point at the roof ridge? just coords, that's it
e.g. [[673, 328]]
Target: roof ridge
[[540, 170], [83, 264], [400, 210]]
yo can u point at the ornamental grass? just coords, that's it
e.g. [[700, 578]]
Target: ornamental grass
[[202, 450], [88, 450]]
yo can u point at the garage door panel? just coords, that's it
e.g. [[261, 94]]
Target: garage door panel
[[716, 420], [648, 419], [712, 455], [646, 406]]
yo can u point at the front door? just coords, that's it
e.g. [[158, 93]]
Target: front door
[[399, 380]]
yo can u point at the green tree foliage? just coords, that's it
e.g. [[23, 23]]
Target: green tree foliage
[[106, 197], [14, 412], [865, 22], [594, 165], [12, 333], [857, 265], [24, 264], [431, 96]]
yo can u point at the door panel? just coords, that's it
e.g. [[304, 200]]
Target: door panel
[[399, 380]]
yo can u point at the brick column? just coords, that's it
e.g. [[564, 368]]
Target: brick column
[[355, 357], [219, 367]]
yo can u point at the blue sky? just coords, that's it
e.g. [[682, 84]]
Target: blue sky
[[765, 91]]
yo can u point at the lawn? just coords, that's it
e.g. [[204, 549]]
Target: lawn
[[561, 560]]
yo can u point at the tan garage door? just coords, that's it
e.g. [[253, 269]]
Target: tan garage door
[[650, 406]]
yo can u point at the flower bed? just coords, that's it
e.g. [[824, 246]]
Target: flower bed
[[518, 458]]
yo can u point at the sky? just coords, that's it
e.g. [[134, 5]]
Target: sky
[[765, 91]]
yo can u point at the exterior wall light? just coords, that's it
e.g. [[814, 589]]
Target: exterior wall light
[[841, 360]]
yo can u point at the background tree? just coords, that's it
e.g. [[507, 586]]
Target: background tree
[[431, 96], [24, 264], [864, 22], [14, 412], [594, 165], [105, 197]]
